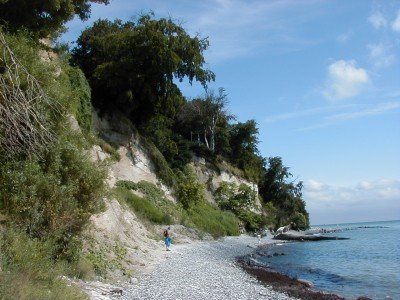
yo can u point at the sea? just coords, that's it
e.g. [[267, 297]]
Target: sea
[[367, 264]]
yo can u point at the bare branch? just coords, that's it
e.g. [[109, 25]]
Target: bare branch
[[24, 124]]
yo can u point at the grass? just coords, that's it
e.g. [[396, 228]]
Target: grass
[[210, 219], [156, 196], [145, 208], [203, 215], [28, 270]]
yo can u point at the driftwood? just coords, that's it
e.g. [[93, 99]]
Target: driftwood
[[24, 108], [303, 237]]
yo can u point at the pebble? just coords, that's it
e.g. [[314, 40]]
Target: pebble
[[202, 271]]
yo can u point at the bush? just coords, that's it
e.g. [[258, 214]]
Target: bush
[[240, 200], [190, 192], [230, 196], [53, 195], [28, 270], [251, 220]]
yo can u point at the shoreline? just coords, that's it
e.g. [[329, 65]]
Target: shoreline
[[219, 269], [279, 282]]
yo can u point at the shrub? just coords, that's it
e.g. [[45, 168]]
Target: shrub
[[190, 192], [53, 195], [251, 220], [240, 200], [28, 271]]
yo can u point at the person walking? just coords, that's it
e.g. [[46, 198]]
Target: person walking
[[167, 238]]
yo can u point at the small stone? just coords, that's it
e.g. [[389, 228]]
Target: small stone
[[133, 280]]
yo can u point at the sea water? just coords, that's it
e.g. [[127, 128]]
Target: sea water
[[368, 263]]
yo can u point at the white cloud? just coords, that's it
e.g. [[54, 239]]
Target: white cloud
[[345, 80], [307, 112], [378, 20], [396, 23], [243, 28], [371, 111], [365, 201], [354, 112], [381, 55]]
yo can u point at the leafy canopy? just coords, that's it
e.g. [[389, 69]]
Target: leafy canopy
[[132, 66], [284, 194], [43, 17]]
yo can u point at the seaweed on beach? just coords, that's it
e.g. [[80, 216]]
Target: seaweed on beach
[[282, 283]]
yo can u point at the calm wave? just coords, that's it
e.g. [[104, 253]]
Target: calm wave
[[366, 264]]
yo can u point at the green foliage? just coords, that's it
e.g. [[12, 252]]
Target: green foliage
[[270, 212], [99, 262], [162, 168], [212, 220], [200, 215], [107, 148], [243, 143], [65, 86], [42, 17], [144, 207], [251, 220], [158, 129], [104, 258], [46, 199], [28, 270], [190, 192], [81, 94], [240, 200], [175, 149], [230, 196], [206, 119], [285, 195], [53, 195], [131, 66], [156, 196]]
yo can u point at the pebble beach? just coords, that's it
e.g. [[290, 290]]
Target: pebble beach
[[203, 270]]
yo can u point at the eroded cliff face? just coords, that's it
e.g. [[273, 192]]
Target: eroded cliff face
[[117, 234], [135, 164], [213, 178]]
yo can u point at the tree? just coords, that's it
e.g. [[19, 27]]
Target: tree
[[285, 195], [43, 17], [244, 153], [203, 116], [132, 67]]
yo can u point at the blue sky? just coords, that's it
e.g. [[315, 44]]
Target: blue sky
[[322, 80]]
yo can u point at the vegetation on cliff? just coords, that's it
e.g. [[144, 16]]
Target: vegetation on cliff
[[48, 186], [134, 69]]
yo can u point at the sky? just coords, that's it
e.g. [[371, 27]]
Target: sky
[[322, 80]]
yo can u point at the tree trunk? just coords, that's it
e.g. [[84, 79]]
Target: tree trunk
[[212, 139], [205, 140]]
